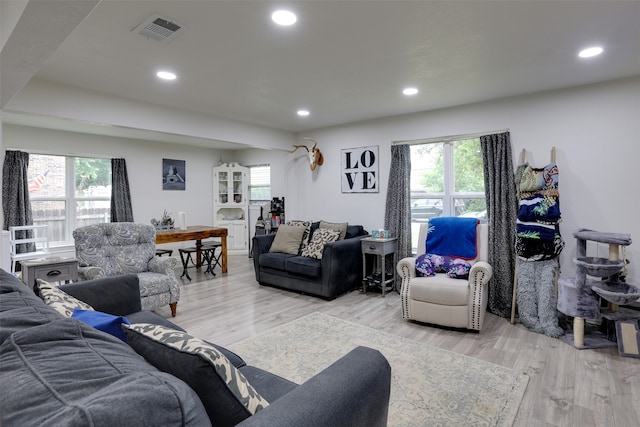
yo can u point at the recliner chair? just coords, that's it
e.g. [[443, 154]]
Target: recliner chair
[[445, 301], [115, 248]]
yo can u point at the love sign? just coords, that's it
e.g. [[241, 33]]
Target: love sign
[[360, 170]]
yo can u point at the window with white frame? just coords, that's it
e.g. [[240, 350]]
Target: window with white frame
[[259, 183], [68, 192], [446, 180]]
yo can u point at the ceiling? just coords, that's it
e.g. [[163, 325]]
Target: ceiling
[[345, 61]]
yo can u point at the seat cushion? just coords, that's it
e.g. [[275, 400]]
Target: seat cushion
[[275, 260], [270, 386], [439, 289], [305, 266], [23, 310], [67, 373]]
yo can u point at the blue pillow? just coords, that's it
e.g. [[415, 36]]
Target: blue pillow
[[103, 322]]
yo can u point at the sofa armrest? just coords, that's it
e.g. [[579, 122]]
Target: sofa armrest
[[352, 392], [162, 265], [406, 268], [480, 273], [260, 244], [90, 272], [342, 264], [117, 295]]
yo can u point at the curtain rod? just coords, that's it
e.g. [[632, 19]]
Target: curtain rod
[[448, 138]]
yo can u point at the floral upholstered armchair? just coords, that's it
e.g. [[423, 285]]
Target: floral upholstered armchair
[[125, 247]]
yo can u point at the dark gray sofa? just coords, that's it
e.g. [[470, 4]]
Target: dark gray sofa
[[339, 271], [60, 371]]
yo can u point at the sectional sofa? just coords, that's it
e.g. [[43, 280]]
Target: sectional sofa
[[57, 370]]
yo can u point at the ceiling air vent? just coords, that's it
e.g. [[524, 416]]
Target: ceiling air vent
[[158, 28]]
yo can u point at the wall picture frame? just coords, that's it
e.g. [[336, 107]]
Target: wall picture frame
[[359, 172], [174, 174]]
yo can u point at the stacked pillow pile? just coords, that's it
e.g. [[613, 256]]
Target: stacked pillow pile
[[306, 238]]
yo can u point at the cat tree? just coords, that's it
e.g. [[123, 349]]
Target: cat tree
[[597, 277]]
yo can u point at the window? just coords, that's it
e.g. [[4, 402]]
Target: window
[[446, 180], [259, 183], [68, 192]]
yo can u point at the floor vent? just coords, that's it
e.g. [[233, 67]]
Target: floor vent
[[158, 28]]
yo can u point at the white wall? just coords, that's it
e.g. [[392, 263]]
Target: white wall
[[595, 130], [144, 166]]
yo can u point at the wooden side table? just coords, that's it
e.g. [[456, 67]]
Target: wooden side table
[[381, 248], [49, 269]]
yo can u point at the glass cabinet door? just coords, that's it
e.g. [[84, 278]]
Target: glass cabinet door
[[238, 195], [223, 186]]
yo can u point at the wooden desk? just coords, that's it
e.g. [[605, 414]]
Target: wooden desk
[[197, 233]]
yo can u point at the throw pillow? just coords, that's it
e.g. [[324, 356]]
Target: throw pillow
[[287, 240], [340, 226], [430, 264], [62, 302], [227, 396], [103, 322], [424, 266], [307, 231], [321, 237]]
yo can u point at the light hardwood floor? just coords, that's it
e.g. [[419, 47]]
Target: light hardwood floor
[[567, 387]]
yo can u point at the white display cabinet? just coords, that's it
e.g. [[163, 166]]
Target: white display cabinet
[[231, 203]]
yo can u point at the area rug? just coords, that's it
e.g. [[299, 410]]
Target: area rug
[[430, 386]]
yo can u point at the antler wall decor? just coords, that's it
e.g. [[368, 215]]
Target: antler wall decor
[[315, 156]]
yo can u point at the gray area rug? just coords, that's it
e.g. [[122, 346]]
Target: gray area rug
[[430, 386]]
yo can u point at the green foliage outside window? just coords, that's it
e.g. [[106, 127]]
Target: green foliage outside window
[[92, 173]]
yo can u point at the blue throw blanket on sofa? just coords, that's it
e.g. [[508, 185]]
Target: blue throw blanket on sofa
[[452, 236]]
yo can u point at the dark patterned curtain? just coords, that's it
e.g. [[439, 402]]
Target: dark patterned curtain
[[16, 206], [397, 215], [121, 209], [502, 204]]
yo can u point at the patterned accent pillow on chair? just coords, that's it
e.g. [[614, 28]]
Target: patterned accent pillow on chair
[[226, 394], [61, 301], [320, 237]]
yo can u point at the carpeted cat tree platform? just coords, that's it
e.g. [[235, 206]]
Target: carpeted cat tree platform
[[579, 297]]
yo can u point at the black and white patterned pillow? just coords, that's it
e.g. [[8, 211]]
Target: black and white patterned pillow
[[225, 392], [320, 237], [61, 301]]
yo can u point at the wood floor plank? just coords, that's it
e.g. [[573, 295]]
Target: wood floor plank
[[567, 387]]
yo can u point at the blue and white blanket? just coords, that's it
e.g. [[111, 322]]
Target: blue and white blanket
[[452, 236]]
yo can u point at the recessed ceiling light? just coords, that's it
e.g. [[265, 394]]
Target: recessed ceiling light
[[410, 91], [284, 17], [303, 113], [166, 75], [589, 52]]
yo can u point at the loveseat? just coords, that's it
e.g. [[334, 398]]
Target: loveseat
[[109, 249], [338, 271], [57, 370]]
